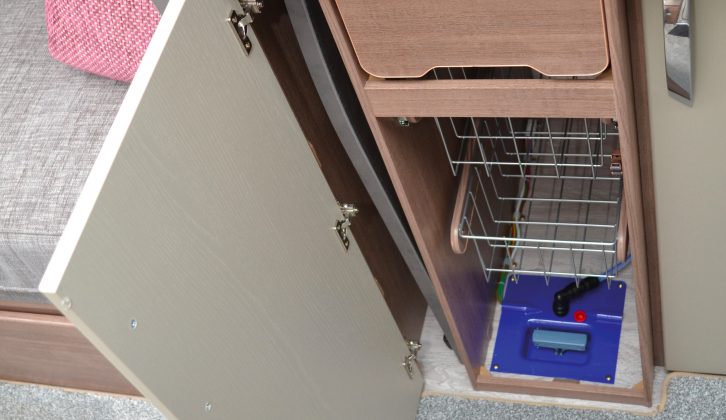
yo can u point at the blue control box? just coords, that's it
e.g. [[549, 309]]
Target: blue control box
[[583, 345]]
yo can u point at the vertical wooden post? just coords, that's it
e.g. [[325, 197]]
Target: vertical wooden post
[[618, 41]]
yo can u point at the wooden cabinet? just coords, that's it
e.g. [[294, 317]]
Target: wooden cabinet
[[475, 111], [208, 259], [409, 38]]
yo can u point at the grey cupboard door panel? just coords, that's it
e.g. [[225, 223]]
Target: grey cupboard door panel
[[201, 258], [690, 188]]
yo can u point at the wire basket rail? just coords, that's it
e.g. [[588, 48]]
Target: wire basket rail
[[536, 197]]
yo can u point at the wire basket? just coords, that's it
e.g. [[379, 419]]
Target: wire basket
[[538, 196], [517, 147]]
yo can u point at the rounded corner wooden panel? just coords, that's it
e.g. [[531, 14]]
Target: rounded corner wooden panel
[[406, 39]]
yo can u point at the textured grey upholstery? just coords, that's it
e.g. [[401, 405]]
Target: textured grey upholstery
[[53, 120]]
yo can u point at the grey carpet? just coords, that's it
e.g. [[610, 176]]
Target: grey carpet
[[26, 402], [689, 397]]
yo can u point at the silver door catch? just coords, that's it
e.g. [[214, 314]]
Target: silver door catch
[[410, 359], [241, 21], [341, 226]]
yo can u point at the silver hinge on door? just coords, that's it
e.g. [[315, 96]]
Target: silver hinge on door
[[410, 359], [341, 226], [240, 21]]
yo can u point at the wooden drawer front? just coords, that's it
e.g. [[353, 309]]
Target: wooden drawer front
[[407, 38]]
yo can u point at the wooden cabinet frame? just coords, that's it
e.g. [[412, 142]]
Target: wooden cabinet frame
[[416, 171], [41, 346]]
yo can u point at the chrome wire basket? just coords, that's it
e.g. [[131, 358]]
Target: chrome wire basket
[[537, 196]]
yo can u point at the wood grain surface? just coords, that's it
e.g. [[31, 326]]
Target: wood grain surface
[[617, 25], [645, 148], [560, 389], [407, 38], [458, 245], [529, 98], [622, 235], [29, 307], [47, 349], [201, 257]]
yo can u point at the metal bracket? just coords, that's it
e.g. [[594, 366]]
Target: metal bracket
[[407, 121], [240, 22], [341, 226], [410, 359], [616, 163]]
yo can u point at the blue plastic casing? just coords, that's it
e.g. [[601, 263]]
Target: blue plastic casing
[[527, 309]]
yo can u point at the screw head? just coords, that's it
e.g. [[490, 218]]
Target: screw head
[[495, 367], [608, 378], [66, 303], [620, 285], [208, 407], [133, 324]]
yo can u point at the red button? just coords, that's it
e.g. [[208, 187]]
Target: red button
[[580, 316]]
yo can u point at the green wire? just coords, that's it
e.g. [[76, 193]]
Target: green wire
[[500, 287]]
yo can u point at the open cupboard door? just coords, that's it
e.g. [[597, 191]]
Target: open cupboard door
[[202, 257]]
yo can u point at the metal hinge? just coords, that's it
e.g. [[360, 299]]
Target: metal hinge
[[240, 22], [341, 226], [410, 359]]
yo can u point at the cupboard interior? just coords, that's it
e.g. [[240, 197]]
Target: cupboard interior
[[570, 225], [424, 174]]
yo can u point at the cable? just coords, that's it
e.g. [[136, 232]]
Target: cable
[[616, 268]]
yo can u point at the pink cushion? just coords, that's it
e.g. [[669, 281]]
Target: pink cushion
[[105, 37]]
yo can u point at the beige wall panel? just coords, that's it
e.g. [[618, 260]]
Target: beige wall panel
[[690, 190]]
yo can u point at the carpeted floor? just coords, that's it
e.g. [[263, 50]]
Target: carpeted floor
[[26, 402], [688, 397]]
